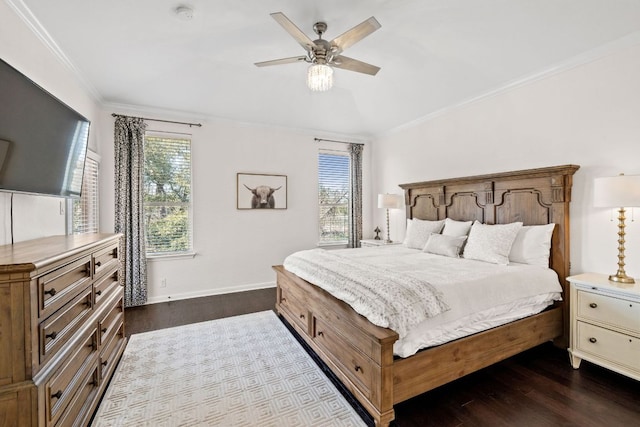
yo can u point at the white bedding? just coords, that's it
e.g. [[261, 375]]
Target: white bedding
[[480, 295], [387, 298]]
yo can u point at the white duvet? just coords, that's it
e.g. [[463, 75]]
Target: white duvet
[[480, 295]]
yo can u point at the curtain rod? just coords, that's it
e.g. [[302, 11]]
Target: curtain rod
[[333, 140], [158, 120]]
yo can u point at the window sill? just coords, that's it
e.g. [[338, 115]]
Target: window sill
[[336, 245], [163, 257]]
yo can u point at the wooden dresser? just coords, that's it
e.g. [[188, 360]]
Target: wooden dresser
[[61, 327]]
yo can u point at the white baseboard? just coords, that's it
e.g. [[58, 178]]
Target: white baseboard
[[210, 292]]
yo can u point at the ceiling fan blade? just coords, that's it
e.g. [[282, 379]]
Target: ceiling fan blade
[[295, 32], [351, 64], [281, 61], [357, 33]]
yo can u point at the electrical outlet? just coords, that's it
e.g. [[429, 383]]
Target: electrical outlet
[[163, 283]]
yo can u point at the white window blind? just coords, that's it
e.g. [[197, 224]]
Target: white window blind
[[167, 195], [84, 211], [333, 197]]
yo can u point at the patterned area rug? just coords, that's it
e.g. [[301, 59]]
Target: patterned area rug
[[240, 371]]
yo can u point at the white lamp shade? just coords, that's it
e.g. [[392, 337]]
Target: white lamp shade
[[617, 191], [389, 201]]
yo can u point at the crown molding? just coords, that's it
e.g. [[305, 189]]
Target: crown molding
[[23, 11], [590, 56]]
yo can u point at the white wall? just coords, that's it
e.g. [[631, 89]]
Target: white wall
[[235, 248], [588, 115], [38, 216]]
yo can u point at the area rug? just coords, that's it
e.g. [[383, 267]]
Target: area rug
[[240, 371]]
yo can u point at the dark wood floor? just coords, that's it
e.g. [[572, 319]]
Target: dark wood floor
[[535, 388]]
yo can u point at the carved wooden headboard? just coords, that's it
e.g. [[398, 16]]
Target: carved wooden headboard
[[533, 196]]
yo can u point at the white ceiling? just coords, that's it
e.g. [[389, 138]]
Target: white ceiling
[[434, 54]]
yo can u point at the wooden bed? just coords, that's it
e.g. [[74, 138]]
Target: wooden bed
[[361, 354]]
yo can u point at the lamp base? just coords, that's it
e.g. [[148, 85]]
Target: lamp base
[[621, 278]]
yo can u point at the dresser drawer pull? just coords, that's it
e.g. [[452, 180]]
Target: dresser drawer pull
[[105, 363], [57, 394], [592, 340], [358, 368], [593, 305], [98, 264], [51, 292], [320, 334], [283, 299], [52, 335], [302, 316], [98, 293]]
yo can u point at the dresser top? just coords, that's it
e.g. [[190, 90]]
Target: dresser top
[[602, 281], [31, 254]]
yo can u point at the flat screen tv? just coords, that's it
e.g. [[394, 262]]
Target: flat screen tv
[[43, 142]]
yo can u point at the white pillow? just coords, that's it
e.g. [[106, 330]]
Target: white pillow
[[418, 232], [456, 228], [441, 244], [532, 245], [491, 243]]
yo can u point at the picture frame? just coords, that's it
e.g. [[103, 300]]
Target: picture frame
[[261, 191]]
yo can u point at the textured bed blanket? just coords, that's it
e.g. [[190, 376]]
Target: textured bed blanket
[[386, 298]]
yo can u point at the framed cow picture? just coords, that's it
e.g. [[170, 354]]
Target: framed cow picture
[[261, 191]]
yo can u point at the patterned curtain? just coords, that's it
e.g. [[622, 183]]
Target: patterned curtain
[[129, 220], [355, 220]]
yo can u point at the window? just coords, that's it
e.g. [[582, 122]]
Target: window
[[333, 197], [167, 195], [84, 211]]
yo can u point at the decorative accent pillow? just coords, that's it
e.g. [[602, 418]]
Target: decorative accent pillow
[[532, 245], [491, 243], [441, 244], [418, 232], [456, 228]]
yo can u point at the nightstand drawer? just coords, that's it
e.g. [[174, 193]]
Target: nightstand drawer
[[609, 345], [607, 310]]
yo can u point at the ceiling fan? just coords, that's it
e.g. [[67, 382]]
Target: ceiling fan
[[323, 54]]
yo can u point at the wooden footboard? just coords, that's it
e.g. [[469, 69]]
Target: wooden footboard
[[360, 354]]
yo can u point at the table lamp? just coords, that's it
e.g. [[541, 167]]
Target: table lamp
[[620, 192], [389, 201]]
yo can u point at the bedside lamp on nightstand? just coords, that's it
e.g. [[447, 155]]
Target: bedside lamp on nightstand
[[389, 201], [618, 192]]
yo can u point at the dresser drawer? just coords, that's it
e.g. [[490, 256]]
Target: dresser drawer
[[104, 287], [80, 409], [608, 310], [61, 388], [296, 309], [609, 345], [111, 320], [356, 366], [110, 352], [105, 260], [59, 286], [57, 329]]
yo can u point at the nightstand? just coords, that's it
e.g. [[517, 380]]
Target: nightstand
[[365, 243], [605, 323]]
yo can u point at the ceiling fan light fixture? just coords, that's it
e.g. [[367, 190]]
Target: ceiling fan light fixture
[[320, 77]]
